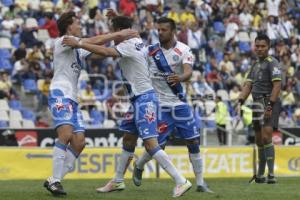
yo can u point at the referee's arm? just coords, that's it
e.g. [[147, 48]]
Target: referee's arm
[[276, 90], [246, 90]]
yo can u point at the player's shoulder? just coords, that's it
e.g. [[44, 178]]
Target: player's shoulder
[[58, 41], [181, 47], [136, 42], [271, 60]]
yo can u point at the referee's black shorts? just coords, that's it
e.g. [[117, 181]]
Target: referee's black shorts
[[259, 107]]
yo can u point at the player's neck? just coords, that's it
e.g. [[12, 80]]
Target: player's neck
[[169, 44]]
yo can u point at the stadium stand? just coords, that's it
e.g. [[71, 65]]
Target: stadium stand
[[225, 54]]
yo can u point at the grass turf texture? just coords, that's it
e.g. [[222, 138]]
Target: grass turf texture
[[227, 188]]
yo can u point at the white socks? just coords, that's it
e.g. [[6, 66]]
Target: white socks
[[123, 163], [140, 163], [59, 156], [164, 161], [69, 162], [197, 163]]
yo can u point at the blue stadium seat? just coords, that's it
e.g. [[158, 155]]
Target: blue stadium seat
[[7, 3], [5, 65], [106, 95], [83, 84], [219, 27], [244, 47], [97, 117], [210, 124], [3, 124], [15, 40], [5, 53], [15, 104], [41, 21], [30, 85], [28, 114]]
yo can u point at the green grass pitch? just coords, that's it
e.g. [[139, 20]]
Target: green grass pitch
[[227, 189]]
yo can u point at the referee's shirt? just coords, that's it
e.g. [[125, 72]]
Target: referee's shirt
[[262, 75]]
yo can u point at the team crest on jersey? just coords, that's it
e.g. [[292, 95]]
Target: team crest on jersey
[[59, 105], [150, 112], [276, 71], [175, 58], [139, 46]]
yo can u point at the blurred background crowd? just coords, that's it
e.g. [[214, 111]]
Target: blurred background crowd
[[220, 33]]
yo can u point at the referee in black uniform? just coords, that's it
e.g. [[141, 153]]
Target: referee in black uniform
[[264, 82]]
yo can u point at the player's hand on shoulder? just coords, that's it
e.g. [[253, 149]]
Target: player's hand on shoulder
[[70, 41], [128, 33]]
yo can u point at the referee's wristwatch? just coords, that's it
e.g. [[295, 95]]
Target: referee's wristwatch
[[270, 105]]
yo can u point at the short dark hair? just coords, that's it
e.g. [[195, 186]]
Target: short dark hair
[[121, 22], [263, 37], [170, 21], [65, 20]]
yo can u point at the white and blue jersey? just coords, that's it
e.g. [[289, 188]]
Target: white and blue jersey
[[174, 110], [63, 105], [134, 66]]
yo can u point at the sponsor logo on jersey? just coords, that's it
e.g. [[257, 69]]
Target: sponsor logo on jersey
[[178, 51], [162, 127], [138, 46], [150, 112], [276, 71]]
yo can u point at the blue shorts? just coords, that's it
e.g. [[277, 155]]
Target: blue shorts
[[180, 117], [142, 119], [65, 111]]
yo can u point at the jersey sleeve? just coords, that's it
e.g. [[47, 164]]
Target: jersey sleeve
[[124, 49], [188, 57], [275, 70], [250, 76]]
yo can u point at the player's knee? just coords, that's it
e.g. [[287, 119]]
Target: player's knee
[[193, 145], [129, 141], [151, 144]]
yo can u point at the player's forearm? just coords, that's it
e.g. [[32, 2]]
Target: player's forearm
[[275, 91], [102, 39], [99, 50], [187, 73], [245, 91]]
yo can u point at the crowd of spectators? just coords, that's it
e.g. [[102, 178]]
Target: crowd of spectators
[[220, 34]]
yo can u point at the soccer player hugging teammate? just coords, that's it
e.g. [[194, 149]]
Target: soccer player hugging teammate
[[264, 82], [63, 103], [170, 64], [133, 62]]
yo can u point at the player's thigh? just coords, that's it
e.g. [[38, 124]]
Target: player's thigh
[[64, 133], [129, 139], [165, 127], [185, 123], [62, 115], [145, 115], [78, 142], [77, 119]]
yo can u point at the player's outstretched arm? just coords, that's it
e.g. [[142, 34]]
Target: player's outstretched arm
[[100, 50], [120, 35]]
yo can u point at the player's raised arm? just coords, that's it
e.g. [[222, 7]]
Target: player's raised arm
[[120, 35], [100, 50]]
